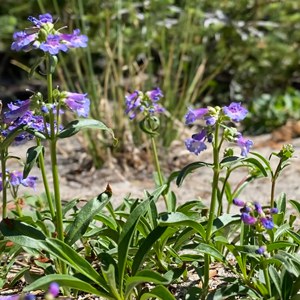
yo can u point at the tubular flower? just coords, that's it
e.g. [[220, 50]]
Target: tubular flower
[[132, 102], [53, 45], [45, 37], [196, 144], [195, 114], [78, 103], [235, 111], [238, 202], [143, 102], [267, 223], [244, 144], [261, 250], [74, 40], [54, 289], [248, 219], [155, 94], [16, 179]]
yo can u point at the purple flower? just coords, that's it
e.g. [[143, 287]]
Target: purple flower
[[210, 121], [16, 179], [53, 45], [238, 202], [10, 297], [248, 219], [45, 18], [22, 40], [74, 40], [245, 145], [54, 289], [132, 102], [235, 111], [267, 223], [78, 103], [155, 94], [196, 143], [261, 250], [258, 208], [16, 111], [29, 297], [274, 211], [195, 114]]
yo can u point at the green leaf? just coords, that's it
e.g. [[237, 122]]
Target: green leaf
[[145, 247], [65, 281], [261, 157], [159, 292], [189, 169], [294, 235], [75, 126], [142, 277], [229, 160], [31, 158], [127, 233], [21, 234], [278, 245], [296, 205], [256, 163], [180, 219], [225, 220], [275, 279], [64, 252], [86, 214], [210, 250], [109, 275]]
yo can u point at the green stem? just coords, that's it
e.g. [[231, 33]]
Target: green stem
[[213, 204], [274, 178], [267, 279], [54, 165], [157, 166], [4, 189], [45, 181]]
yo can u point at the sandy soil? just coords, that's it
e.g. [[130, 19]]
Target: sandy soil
[[79, 180]]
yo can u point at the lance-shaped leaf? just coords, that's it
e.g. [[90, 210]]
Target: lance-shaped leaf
[[85, 216], [159, 292], [66, 281], [142, 277], [180, 219], [64, 252], [31, 158], [21, 233], [76, 125], [189, 169]]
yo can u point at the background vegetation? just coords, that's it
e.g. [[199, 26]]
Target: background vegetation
[[199, 52]]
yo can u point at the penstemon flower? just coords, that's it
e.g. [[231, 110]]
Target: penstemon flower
[[15, 179], [76, 102], [253, 214], [234, 112], [145, 103], [45, 37]]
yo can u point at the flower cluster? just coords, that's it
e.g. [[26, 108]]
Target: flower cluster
[[78, 103], [253, 214], [19, 114], [15, 179], [235, 112], [143, 102], [45, 37]]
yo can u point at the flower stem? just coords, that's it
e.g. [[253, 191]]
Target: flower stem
[[4, 189], [54, 165], [213, 203], [157, 166], [45, 181]]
